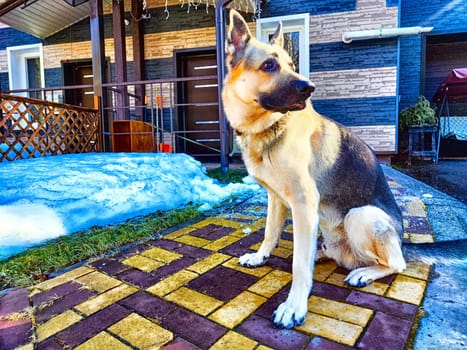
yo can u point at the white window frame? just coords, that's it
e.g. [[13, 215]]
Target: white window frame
[[17, 65], [294, 23]]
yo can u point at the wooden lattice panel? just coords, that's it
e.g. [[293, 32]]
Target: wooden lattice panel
[[31, 128]]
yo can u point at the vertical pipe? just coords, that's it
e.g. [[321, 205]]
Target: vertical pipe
[[220, 53]]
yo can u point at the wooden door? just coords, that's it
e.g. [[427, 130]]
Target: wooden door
[[85, 97], [201, 122]]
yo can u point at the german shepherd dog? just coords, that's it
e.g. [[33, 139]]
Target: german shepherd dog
[[310, 164]]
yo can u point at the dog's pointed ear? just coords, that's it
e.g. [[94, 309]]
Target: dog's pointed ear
[[238, 36], [278, 36]]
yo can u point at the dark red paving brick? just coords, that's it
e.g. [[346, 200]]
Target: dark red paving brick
[[329, 291], [211, 279], [109, 266], [15, 333], [90, 326], [173, 267], [138, 278], [180, 344], [148, 305], [14, 301], [63, 304], [126, 253], [268, 308], [194, 328], [55, 293], [193, 252], [386, 332], [49, 344], [212, 232], [165, 244], [418, 225], [388, 306], [236, 284], [242, 246], [263, 331], [279, 263], [318, 343]]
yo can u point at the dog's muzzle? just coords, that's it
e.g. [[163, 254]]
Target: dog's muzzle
[[291, 96]]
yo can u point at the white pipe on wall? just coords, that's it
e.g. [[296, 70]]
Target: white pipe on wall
[[348, 37]]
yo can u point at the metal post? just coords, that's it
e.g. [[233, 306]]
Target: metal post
[[220, 53]]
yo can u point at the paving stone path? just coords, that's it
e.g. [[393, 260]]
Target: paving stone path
[[185, 290]]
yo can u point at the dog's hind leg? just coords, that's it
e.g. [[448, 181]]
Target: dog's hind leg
[[375, 244], [276, 215]]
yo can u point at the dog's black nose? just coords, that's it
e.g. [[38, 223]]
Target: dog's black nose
[[304, 88]]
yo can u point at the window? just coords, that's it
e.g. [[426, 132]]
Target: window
[[296, 37], [25, 67]]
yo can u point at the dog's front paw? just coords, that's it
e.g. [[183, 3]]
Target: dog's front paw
[[359, 277], [288, 315], [252, 260]]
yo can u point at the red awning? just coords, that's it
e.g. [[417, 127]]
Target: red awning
[[454, 87]]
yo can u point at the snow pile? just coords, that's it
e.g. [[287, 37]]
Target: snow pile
[[47, 197]]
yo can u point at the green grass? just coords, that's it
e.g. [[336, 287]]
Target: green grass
[[233, 175], [37, 263]]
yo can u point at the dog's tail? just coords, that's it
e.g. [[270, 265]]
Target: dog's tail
[[447, 253]]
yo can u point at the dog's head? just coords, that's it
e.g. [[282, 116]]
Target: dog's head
[[261, 80]]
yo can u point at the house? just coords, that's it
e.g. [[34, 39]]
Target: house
[[367, 58]]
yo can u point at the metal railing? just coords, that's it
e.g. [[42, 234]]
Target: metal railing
[[155, 122]]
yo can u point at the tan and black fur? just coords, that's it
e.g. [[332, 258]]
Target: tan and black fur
[[311, 165]]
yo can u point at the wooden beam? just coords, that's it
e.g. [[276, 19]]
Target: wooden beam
[[138, 54], [118, 19]]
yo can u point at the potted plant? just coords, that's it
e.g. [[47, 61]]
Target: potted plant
[[421, 114], [420, 124]]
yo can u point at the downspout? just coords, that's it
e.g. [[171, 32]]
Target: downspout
[[348, 37], [220, 56]]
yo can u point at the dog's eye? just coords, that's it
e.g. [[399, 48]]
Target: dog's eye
[[270, 65]]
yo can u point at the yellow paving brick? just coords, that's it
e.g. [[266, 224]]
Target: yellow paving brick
[[208, 263], [103, 300], [237, 309], [263, 347], [98, 281], [141, 332], [57, 324], [228, 223], [338, 331], [255, 246], [195, 301], [172, 282], [178, 233], [323, 270], [66, 277], [378, 288], [420, 238], [221, 243], [417, 270], [203, 223], [407, 289], [282, 252], [284, 243], [234, 341], [271, 283], [340, 311], [289, 228], [416, 207], [192, 240], [143, 263], [160, 254], [103, 341], [29, 346], [256, 271]]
